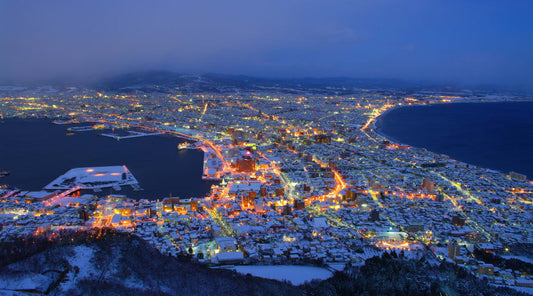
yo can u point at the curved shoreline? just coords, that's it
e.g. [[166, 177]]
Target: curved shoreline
[[152, 189], [377, 129]]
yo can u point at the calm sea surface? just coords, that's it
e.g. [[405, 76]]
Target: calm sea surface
[[36, 152], [492, 135]]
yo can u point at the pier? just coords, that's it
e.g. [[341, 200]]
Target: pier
[[132, 134], [86, 128]]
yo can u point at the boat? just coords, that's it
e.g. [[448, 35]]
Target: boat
[[4, 173], [186, 145], [99, 126], [59, 121], [67, 121], [70, 134]]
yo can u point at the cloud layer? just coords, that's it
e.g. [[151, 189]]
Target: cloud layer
[[455, 41]]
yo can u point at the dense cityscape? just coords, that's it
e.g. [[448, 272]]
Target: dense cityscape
[[305, 178]]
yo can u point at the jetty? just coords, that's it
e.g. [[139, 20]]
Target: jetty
[[131, 134]]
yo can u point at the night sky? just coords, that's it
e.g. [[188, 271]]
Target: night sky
[[463, 41]]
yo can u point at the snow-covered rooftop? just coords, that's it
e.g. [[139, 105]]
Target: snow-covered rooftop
[[94, 177]]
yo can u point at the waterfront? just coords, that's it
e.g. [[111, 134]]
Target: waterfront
[[492, 135], [36, 152], [320, 193]]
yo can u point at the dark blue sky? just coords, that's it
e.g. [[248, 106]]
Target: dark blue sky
[[448, 41]]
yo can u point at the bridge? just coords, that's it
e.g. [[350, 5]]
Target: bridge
[[58, 197]]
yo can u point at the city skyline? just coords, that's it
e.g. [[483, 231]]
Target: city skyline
[[344, 147], [301, 177]]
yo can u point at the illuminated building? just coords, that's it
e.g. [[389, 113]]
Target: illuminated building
[[247, 200], [428, 185], [194, 205], [280, 192], [458, 220], [486, 269], [299, 204], [454, 250], [350, 195], [323, 139], [246, 165], [414, 227], [374, 215], [263, 191], [517, 176], [84, 214], [237, 137], [174, 204]]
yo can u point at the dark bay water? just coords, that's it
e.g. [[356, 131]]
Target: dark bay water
[[492, 135], [36, 152]]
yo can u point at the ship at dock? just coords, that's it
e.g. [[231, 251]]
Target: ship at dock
[[186, 145], [66, 121], [87, 128]]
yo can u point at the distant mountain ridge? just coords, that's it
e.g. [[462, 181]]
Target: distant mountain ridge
[[166, 82], [174, 82]]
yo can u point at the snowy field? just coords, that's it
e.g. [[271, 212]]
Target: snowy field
[[82, 260], [295, 274]]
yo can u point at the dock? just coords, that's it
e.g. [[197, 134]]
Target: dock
[[132, 134], [81, 128], [136, 187]]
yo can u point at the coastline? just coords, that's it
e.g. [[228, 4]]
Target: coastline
[[155, 182], [376, 129]]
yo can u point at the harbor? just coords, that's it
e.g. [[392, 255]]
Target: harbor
[[159, 171], [131, 134]]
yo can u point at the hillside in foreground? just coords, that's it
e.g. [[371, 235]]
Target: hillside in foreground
[[104, 262], [120, 264]]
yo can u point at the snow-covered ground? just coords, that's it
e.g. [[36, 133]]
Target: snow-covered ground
[[520, 289], [295, 274], [30, 281], [82, 259], [522, 258]]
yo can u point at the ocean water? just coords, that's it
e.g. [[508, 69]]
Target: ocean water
[[492, 135], [36, 152]]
